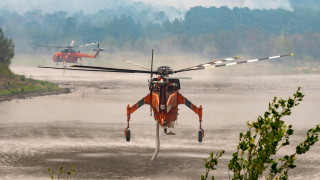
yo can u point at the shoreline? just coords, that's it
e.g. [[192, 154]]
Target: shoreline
[[29, 95], [14, 86]]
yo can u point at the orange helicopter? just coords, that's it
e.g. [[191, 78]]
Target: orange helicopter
[[68, 55], [164, 97]]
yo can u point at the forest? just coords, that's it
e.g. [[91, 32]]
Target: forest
[[210, 31]]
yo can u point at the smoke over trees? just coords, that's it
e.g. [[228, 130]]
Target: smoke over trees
[[208, 31]]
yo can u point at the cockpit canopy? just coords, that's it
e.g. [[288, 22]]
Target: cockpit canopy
[[171, 84], [68, 51]]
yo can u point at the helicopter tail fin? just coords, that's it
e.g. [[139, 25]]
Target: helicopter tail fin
[[98, 50], [97, 53]]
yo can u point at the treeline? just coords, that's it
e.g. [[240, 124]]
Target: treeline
[[6, 54], [208, 31]]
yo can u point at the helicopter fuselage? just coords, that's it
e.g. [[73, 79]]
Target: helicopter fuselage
[[164, 102], [71, 56]]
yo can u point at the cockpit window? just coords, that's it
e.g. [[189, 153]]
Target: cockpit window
[[175, 83]]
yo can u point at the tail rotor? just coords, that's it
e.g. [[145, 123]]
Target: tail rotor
[[98, 49]]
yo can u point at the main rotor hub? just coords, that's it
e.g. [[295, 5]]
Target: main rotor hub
[[164, 71]]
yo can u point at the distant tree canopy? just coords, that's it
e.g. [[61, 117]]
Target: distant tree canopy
[[6, 49], [208, 31]]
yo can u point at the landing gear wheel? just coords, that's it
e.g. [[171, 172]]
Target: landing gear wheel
[[128, 135], [200, 135], [165, 130]]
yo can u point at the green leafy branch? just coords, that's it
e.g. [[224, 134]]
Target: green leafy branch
[[211, 162], [69, 173], [287, 162], [257, 147]]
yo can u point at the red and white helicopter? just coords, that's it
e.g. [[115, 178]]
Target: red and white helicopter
[[69, 55]]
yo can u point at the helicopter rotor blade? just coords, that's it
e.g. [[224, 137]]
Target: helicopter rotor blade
[[54, 46], [208, 65], [135, 64], [177, 77], [90, 44], [203, 66], [72, 45], [46, 67], [113, 69], [76, 69]]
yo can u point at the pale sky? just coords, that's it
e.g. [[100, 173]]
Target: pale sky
[[253, 4], [91, 6], [186, 4]]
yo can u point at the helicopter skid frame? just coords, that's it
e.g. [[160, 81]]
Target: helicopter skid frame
[[180, 99]]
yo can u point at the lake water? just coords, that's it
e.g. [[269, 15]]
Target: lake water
[[85, 128]]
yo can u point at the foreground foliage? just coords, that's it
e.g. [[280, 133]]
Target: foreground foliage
[[60, 173], [255, 157]]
